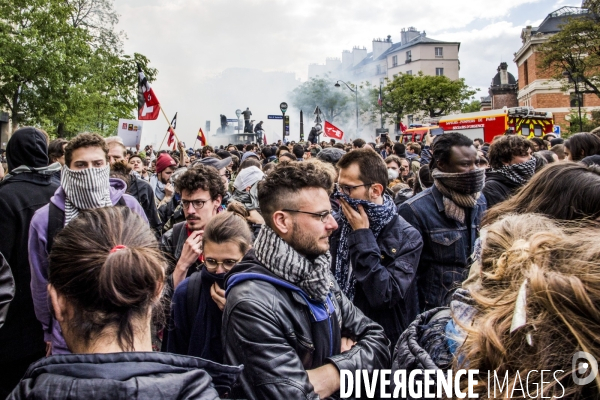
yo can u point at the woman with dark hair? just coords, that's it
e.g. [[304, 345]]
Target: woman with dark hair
[[106, 278], [198, 302], [566, 191], [581, 145]]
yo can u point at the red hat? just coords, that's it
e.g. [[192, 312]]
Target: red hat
[[164, 161]]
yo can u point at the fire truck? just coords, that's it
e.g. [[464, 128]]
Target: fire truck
[[524, 121]]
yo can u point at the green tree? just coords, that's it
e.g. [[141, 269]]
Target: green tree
[[574, 52], [396, 98], [472, 106], [322, 92], [62, 66]]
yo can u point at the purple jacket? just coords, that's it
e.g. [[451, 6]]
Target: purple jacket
[[38, 260]]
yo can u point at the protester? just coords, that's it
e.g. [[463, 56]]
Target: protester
[[358, 144], [565, 191], [220, 166], [56, 154], [161, 182], [581, 145], [533, 309], [28, 187], [511, 167], [298, 151], [106, 277], [286, 157], [136, 163], [201, 190], [282, 304], [559, 150], [85, 185], [375, 253], [198, 302], [447, 216], [393, 163]]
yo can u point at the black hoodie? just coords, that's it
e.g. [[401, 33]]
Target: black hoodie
[[21, 195]]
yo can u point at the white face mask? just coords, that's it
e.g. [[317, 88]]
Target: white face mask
[[392, 174]]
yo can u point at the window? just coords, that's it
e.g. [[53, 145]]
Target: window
[[394, 61], [378, 69], [409, 72], [525, 73], [408, 56], [576, 100], [439, 52], [439, 72]]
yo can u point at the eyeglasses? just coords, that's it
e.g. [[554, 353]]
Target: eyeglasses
[[212, 264], [322, 215], [348, 189], [197, 204]]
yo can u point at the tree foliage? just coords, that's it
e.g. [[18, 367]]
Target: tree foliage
[[62, 66], [322, 92], [574, 52], [433, 96]]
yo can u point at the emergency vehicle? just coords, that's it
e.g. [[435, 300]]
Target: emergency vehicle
[[524, 121]]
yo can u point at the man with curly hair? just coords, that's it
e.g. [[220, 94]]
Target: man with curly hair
[[511, 166], [285, 318], [85, 184], [202, 190]]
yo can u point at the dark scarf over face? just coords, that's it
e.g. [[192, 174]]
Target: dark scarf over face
[[518, 173], [281, 259], [205, 338], [461, 190], [379, 217]]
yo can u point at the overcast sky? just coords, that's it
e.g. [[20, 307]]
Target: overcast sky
[[191, 42]]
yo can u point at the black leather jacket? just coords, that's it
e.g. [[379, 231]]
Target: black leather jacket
[[127, 376], [269, 329]]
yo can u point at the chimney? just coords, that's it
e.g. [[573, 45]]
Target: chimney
[[503, 70], [380, 46], [346, 59], [406, 35], [358, 54]]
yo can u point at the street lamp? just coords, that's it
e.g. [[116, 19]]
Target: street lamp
[[355, 91], [568, 73]]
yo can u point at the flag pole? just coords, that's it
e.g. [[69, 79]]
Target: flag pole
[[170, 126]]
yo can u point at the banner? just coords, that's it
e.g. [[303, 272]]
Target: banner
[[332, 131], [130, 130]]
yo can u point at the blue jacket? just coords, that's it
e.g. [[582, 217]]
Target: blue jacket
[[385, 270], [447, 245]]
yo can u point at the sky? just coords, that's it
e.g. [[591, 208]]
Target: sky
[[215, 56]]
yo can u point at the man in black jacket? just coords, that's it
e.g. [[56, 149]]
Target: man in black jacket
[[285, 318], [511, 166], [375, 252], [27, 188]]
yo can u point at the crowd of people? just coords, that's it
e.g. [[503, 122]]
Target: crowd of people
[[262, 271]]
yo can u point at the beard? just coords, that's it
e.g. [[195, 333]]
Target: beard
[[305, 244]]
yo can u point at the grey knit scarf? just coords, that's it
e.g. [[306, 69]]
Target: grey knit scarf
[[460, 190], [285, 262], [85, 189], [518, 173]]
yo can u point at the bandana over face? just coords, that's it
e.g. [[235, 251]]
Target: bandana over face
[[518, 173], [85, 190]]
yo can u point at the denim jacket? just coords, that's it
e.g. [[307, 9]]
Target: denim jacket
[[447, 245]]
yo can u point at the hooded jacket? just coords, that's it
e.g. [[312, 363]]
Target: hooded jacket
[[498, 188], [20, 196], [127, 376], [38, 259]]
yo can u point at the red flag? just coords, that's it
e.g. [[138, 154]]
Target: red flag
[[264, 138], [333, 131], [148, 105], [201, 138], [170, 129], [402, 127]]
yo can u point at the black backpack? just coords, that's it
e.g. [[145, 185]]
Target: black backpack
[[56, 222], [193, 298]]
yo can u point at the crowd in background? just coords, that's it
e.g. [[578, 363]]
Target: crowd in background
[[260, 272]]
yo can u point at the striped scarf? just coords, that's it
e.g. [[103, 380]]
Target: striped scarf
[[281, 259], [85, 189]]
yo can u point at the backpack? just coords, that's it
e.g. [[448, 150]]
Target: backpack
[[56, 222], [193, 297]]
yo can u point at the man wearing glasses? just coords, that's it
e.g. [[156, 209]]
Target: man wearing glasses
[[375, 253], [285, 319], [202, 190]]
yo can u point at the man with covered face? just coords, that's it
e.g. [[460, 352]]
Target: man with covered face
[[375, 252], [84, 185], [448, 216]]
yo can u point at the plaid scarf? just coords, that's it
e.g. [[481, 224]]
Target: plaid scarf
[[281, 259], [518, 173], [85, 189], [379, 217], [460, 190]]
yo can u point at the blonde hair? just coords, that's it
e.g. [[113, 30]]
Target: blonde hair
[[561, 265]]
